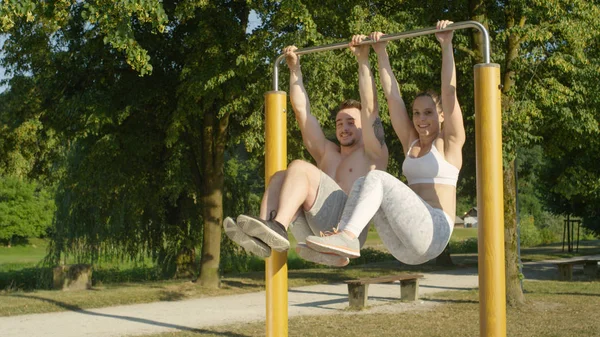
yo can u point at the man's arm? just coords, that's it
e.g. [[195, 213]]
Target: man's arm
[[312, 134], [372, 129]]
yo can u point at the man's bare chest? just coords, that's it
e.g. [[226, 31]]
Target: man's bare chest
[[346, 170]]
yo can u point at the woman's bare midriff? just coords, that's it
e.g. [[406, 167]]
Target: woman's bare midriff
[[438, 196]]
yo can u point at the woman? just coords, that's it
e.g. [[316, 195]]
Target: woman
[[415, 221]]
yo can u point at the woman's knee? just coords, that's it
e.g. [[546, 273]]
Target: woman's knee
[[358, 183], [379, 176]]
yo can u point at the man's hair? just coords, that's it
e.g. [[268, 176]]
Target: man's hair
[[348, 103], [437, 100]]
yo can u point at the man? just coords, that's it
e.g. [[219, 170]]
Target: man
[[310, 199]]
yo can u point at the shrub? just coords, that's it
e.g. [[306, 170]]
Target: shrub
[[134, 274], [547, 236], [370, 255], [28, 278], [467, 246]]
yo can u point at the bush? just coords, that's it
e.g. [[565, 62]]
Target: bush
[[370, 255], [116, 275], [547, 236], [467, 246], [29, 278], [529, 234]]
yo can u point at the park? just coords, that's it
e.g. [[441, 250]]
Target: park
[[131, 131]]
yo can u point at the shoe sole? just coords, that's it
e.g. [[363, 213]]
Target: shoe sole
[[312, 255], [337, 250], [249, 243], [255, 228]]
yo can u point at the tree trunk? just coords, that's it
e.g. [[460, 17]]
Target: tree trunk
[[514, 293], [212, 213], [479, 14], [214, 141]]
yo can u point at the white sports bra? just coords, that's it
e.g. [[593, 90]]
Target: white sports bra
[[431, 168]]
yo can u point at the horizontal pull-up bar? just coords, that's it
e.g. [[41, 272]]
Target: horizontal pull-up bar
[[485, 48]]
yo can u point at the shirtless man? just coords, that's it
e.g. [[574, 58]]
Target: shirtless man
[[309, 199]]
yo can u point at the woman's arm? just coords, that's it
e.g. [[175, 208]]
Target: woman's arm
[[401, 122], [454, 129]]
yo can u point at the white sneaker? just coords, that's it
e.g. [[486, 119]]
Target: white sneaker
[[312, 255], [338, 243], [250, 244]]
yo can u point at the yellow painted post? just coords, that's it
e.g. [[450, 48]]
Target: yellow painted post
[[490, 201], [276, 272]]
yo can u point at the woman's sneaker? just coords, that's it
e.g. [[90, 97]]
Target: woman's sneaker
[[338, 243], [250, 244], [270, 232], [312, 255]]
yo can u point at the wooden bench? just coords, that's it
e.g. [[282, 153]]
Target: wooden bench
[[565, 268], [358, 289]]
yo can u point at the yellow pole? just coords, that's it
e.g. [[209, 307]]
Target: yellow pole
[[276, 265], [490, 201]]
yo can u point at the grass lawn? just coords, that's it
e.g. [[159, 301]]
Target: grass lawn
[[459, 234], [29, 254], [553, 309], [19, 302], [555, 251]]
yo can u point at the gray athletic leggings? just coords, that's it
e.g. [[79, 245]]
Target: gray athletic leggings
[[412, 230]]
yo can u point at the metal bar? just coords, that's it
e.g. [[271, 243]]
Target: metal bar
[[485, 48]]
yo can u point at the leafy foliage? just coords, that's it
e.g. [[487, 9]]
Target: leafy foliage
[[26, 209], [143, 161]]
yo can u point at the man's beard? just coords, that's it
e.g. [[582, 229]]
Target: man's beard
[[348, 143]]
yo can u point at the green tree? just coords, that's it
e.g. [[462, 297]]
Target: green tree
[[543, 57], [26, 210], [202, 93], [145, 157]]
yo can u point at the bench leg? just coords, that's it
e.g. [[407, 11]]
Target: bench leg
[[409, 290], [590, 269], [565, 272], [357, 295]]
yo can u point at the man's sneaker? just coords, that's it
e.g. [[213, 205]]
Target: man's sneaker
[[267, 231], [338, 243], [250, 244], [312, 255]]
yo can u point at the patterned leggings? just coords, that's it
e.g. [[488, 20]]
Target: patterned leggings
[[412, 230]]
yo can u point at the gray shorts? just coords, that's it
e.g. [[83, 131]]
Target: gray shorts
[[325, 213]]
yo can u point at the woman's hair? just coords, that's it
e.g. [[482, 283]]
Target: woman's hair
[[437, 100]]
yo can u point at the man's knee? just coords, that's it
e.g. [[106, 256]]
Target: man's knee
[[277, 177], [302, 166]]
